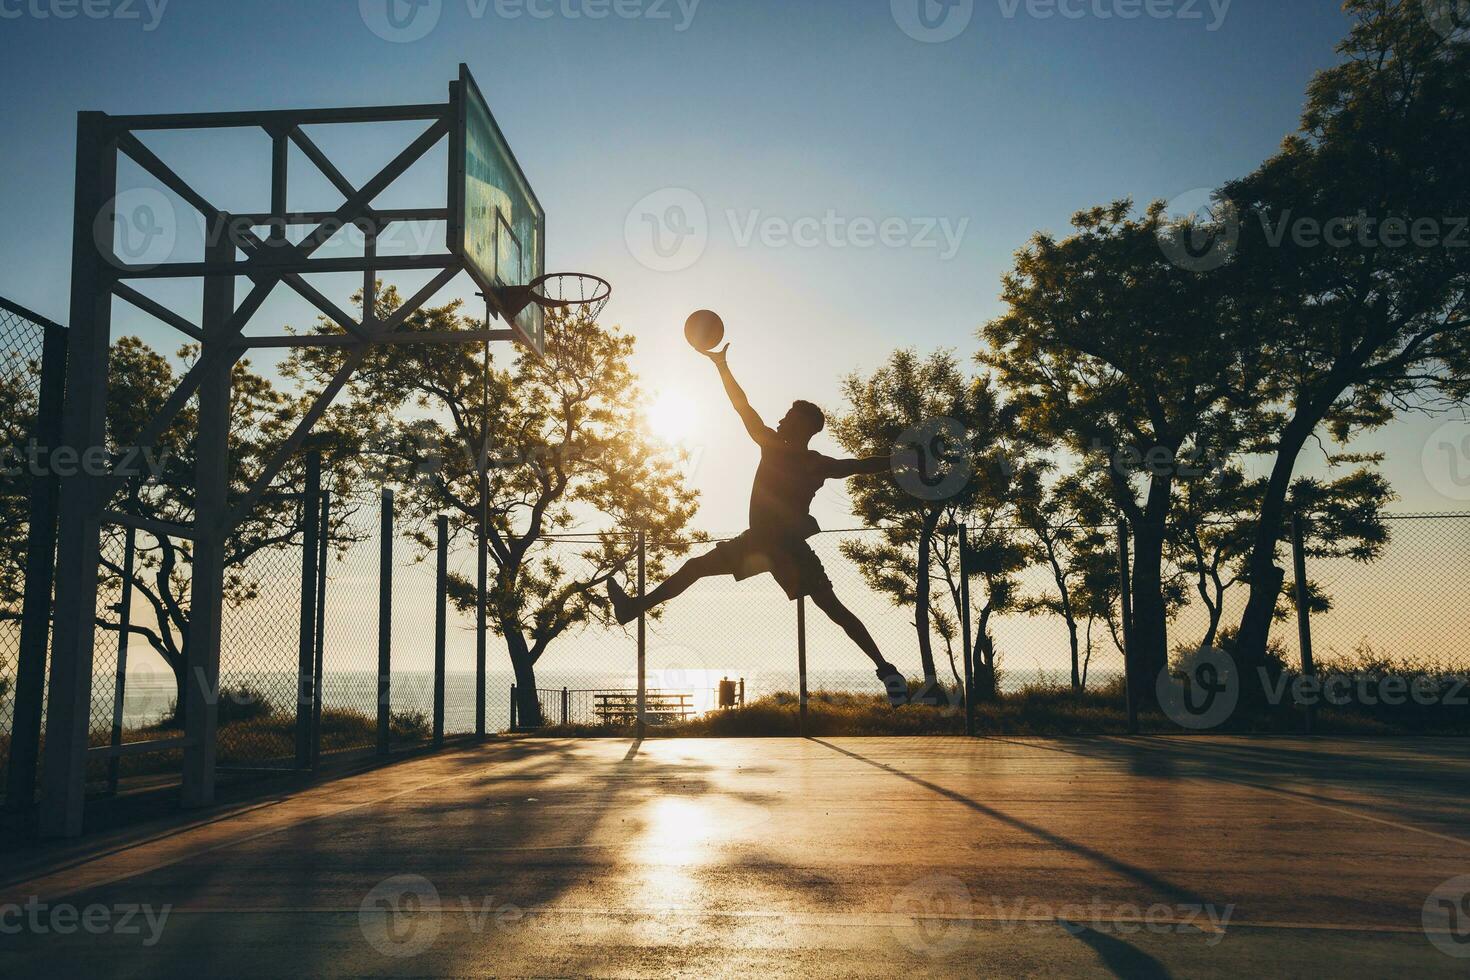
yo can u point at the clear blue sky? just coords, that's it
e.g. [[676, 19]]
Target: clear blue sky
[[766, 110]]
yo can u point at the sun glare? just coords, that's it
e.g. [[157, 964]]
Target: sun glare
[[671, 417]]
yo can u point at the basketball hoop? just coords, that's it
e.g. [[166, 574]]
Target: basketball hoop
[[557, 291]]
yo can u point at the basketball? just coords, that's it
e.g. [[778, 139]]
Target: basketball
[[704, 330]]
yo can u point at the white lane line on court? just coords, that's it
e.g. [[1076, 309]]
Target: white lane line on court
[[1344, 810], [35, 884], [856, 919]]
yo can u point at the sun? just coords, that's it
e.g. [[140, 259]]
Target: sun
[[670, 416]]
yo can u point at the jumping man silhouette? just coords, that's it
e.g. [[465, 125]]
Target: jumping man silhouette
[[780, 523]]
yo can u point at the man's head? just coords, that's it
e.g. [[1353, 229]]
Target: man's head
[[803, 421]]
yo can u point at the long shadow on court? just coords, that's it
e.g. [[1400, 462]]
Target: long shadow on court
[[1120, 957], [1177, 893], [1432, 788]]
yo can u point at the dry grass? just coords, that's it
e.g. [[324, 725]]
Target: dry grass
[[1031, 711]]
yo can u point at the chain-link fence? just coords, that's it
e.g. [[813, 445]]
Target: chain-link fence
[[23, 354], [1409, 607], [1406, 608]]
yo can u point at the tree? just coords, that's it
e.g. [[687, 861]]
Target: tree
[[1348, 253], [1057, 543], [956, 429], [162, 489], [1133, 365], [1096, 594], [567, 450], [996, 556], [1215, 522], [17, 419], [1210, 534]]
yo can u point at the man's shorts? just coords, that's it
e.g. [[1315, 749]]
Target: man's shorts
[[789, 559]]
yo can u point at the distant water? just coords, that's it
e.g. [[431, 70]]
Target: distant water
[[149, 696]]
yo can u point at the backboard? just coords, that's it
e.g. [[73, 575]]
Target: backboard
[[496, 224]]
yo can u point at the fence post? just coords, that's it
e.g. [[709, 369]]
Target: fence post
[[441, 625], [385, 621], [211, 528], [642, 642], [1125, 602], [801, 662], [306, 660], [1303, 612], [967, 645], [512, 707], [120, 681], [566, 703], [323, 540], [482, 551], [35, 622], [78, 538]]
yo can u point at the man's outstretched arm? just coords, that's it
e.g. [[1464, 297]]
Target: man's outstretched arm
[[841, 469], [757, 428]]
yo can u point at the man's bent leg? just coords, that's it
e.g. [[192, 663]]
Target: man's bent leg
[[690, 572], [627, 607]]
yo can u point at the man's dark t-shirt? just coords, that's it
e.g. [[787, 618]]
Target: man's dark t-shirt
[[785, 483]]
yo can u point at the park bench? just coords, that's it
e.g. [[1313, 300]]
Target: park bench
[[660, 707]]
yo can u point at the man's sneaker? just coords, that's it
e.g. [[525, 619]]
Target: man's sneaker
[[622, 605], [896, 684]]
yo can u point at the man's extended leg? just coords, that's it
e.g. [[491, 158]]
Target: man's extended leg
[[626, 608], [827, 601]]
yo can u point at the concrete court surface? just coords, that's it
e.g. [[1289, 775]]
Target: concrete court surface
[[1146, 857]]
